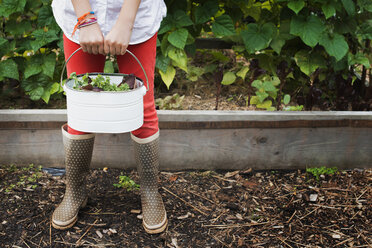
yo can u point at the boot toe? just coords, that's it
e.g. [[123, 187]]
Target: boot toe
[[63, 219], [154, 229]]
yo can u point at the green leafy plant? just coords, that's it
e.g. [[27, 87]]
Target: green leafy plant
[[293, 108], [27, 176], [320, 43], [100, 83], [319, 50], [317, 171], [265, 89], [127, 183], [30, 43], [170, 102]]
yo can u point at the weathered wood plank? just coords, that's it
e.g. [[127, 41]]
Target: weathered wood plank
[[206, 149]]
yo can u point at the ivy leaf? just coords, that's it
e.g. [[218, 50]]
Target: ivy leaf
[[265, 105], [205, 12], [261, 96], [166, 25], [162, 62], [365, 5], [33, 66], [365, 31], [178, 19], [46, 96], [49, 65], [257, 84], [328, 9], [349, 7], [228, 78], [339, 65], [359, 59], [3, 42], [9, 7], [9, 69], [54, 88], [281, 37], [309, 62], [286, 99], [168, 76], [223, 26], [243, 72], [335, 46], [254, 100], [178, 38], [45, 16], [42, 38], [195, 72], [309, 29], [275, 81], [268, 86], [296, 6], [36, 94], [345, 25], [277, 43], [18, 28], [32, 69], [182, 19], [179, 58], [258, 37]]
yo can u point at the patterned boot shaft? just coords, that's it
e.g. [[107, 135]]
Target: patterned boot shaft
[[147, 158], [78, 155]]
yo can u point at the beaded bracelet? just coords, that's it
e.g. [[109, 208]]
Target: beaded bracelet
[[82, 21]]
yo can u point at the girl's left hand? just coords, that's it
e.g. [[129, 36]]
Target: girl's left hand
[[117, 40]]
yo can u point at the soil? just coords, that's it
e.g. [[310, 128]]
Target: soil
[[205, 209]]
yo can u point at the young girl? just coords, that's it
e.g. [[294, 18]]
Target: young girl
[[103, 27]]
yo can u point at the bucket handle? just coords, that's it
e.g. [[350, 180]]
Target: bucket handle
[[144, 72]]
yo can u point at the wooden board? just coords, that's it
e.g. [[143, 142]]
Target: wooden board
[[229, 149]]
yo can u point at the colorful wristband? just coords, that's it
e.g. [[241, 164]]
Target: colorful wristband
[[82, 19], [87, 23]]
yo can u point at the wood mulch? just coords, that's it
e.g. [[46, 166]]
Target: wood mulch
[[205, 209]]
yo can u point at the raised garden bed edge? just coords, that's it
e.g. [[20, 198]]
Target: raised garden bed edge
[[206, 140]]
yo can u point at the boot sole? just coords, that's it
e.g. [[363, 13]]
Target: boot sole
[[72, 221], [157, 230]]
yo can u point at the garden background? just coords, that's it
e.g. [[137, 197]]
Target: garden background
[[282, 54]]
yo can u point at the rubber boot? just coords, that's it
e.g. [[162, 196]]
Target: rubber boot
[[78, 155], [147, 159]]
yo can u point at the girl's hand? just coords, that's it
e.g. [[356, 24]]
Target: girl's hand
[[117, 40], [91, 39]]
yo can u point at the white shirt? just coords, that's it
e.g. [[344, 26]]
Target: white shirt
[[149, 16]]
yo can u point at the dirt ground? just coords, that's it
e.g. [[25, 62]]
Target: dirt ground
[[205, 209]]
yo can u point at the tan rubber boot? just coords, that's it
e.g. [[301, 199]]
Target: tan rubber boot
[[147, 158], [78, 155]]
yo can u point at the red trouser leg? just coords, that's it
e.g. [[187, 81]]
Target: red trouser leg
[[146, 53]]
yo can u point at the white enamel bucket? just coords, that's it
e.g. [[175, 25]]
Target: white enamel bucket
[[105, 111]]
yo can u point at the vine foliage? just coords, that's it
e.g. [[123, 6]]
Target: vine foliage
[[30, 47], [314, 49]]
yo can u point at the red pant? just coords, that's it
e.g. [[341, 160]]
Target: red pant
[[82, 63]]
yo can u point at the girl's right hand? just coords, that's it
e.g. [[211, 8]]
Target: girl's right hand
[[91, 39]]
